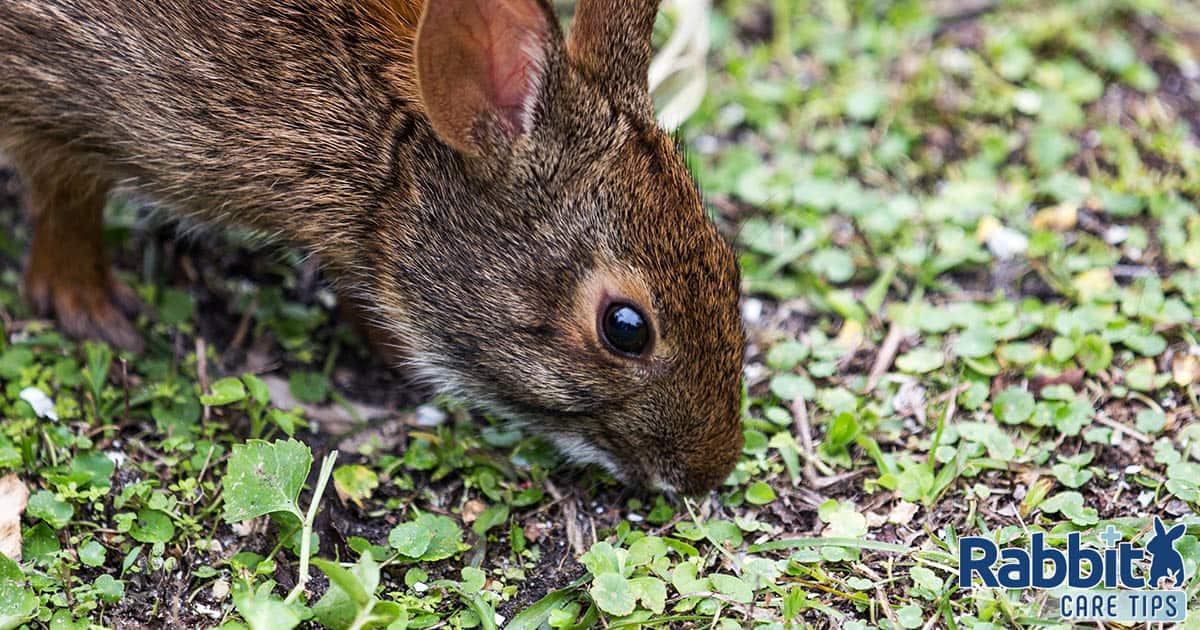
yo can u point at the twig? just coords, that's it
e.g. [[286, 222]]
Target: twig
[[243, 329], [202, 373], [887, 354], [887, 606], [804, 432], [1117, 426]]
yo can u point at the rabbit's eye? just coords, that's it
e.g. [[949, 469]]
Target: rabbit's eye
[[625, 329]]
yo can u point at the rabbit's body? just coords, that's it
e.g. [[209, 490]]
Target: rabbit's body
[[501, 204], [261, 113]]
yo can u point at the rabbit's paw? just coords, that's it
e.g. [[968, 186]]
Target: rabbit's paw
[[100, 310]]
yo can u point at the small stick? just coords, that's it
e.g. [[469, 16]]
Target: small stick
[[202, 373], [1117, 426], [887, 354], [804, 432], [243, 329]]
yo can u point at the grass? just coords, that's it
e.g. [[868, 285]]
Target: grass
[[971, 251]]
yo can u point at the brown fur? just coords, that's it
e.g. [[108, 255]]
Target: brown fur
[[477, 211]]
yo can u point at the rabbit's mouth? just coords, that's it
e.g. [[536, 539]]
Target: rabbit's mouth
[[582, 451]]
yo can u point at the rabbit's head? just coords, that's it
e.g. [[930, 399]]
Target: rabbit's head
[[561, 270]]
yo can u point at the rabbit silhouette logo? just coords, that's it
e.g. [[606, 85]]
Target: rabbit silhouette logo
[[1166, 564], [1114, 579]]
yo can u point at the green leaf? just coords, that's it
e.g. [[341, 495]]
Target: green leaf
[[910, 616], [309, 387], [844, 520], [351, 593], [1095, 354], [430, 537], [1070, 476], [792, 386], [646, 550], [98, 358], [263, 478], [153, 526], [1151, 421], [975, 342], [834, 264], [110, 589], [263, 611], [92, 554], [492, 517], [684, 579], [921, 360], [604, 558], [45, 505], [355, 483], [759, 493], [613, 594], [17, 604], [786, 355], [533, 617], [175, 307], [409, 539], [652, 592], [999, 444], [14, 360], [732, 587], [224, 392], [1070, 504], [257, 388], [1013, 406]]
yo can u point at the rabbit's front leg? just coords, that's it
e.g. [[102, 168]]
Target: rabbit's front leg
[[68, 275]]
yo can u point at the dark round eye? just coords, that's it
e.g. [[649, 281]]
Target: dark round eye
[[625, 329]]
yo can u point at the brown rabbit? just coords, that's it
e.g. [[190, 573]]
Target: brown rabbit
[[498, 199]]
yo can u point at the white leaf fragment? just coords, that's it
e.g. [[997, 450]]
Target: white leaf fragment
[[42, 405]]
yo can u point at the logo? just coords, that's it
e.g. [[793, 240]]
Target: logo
[[1110, 584]]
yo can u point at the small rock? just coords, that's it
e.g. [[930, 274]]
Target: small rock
[[430, 416], [220, 589]]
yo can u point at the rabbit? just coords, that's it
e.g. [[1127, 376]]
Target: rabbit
[[495, 197], [1165, 561]]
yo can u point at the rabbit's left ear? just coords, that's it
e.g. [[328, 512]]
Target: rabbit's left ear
[[481, 65], [1176, 532], [1159, 530]]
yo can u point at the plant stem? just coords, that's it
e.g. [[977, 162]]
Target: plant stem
[[306, 531]]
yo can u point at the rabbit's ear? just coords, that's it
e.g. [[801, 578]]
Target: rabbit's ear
[[481, 66], [1158, 527], [610, 42], [1176, 532]]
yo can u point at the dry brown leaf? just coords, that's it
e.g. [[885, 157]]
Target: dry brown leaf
[[1058, 218], [1185, 369], [902, 513], [471, 511], [13, 497]]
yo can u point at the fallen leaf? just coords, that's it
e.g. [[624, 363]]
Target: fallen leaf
[[851, 336], [1185, 369], [1093, 282], [13, 497], [1058, 218], [902, 513], [1004, 242], [41, 403], [471, 510]]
